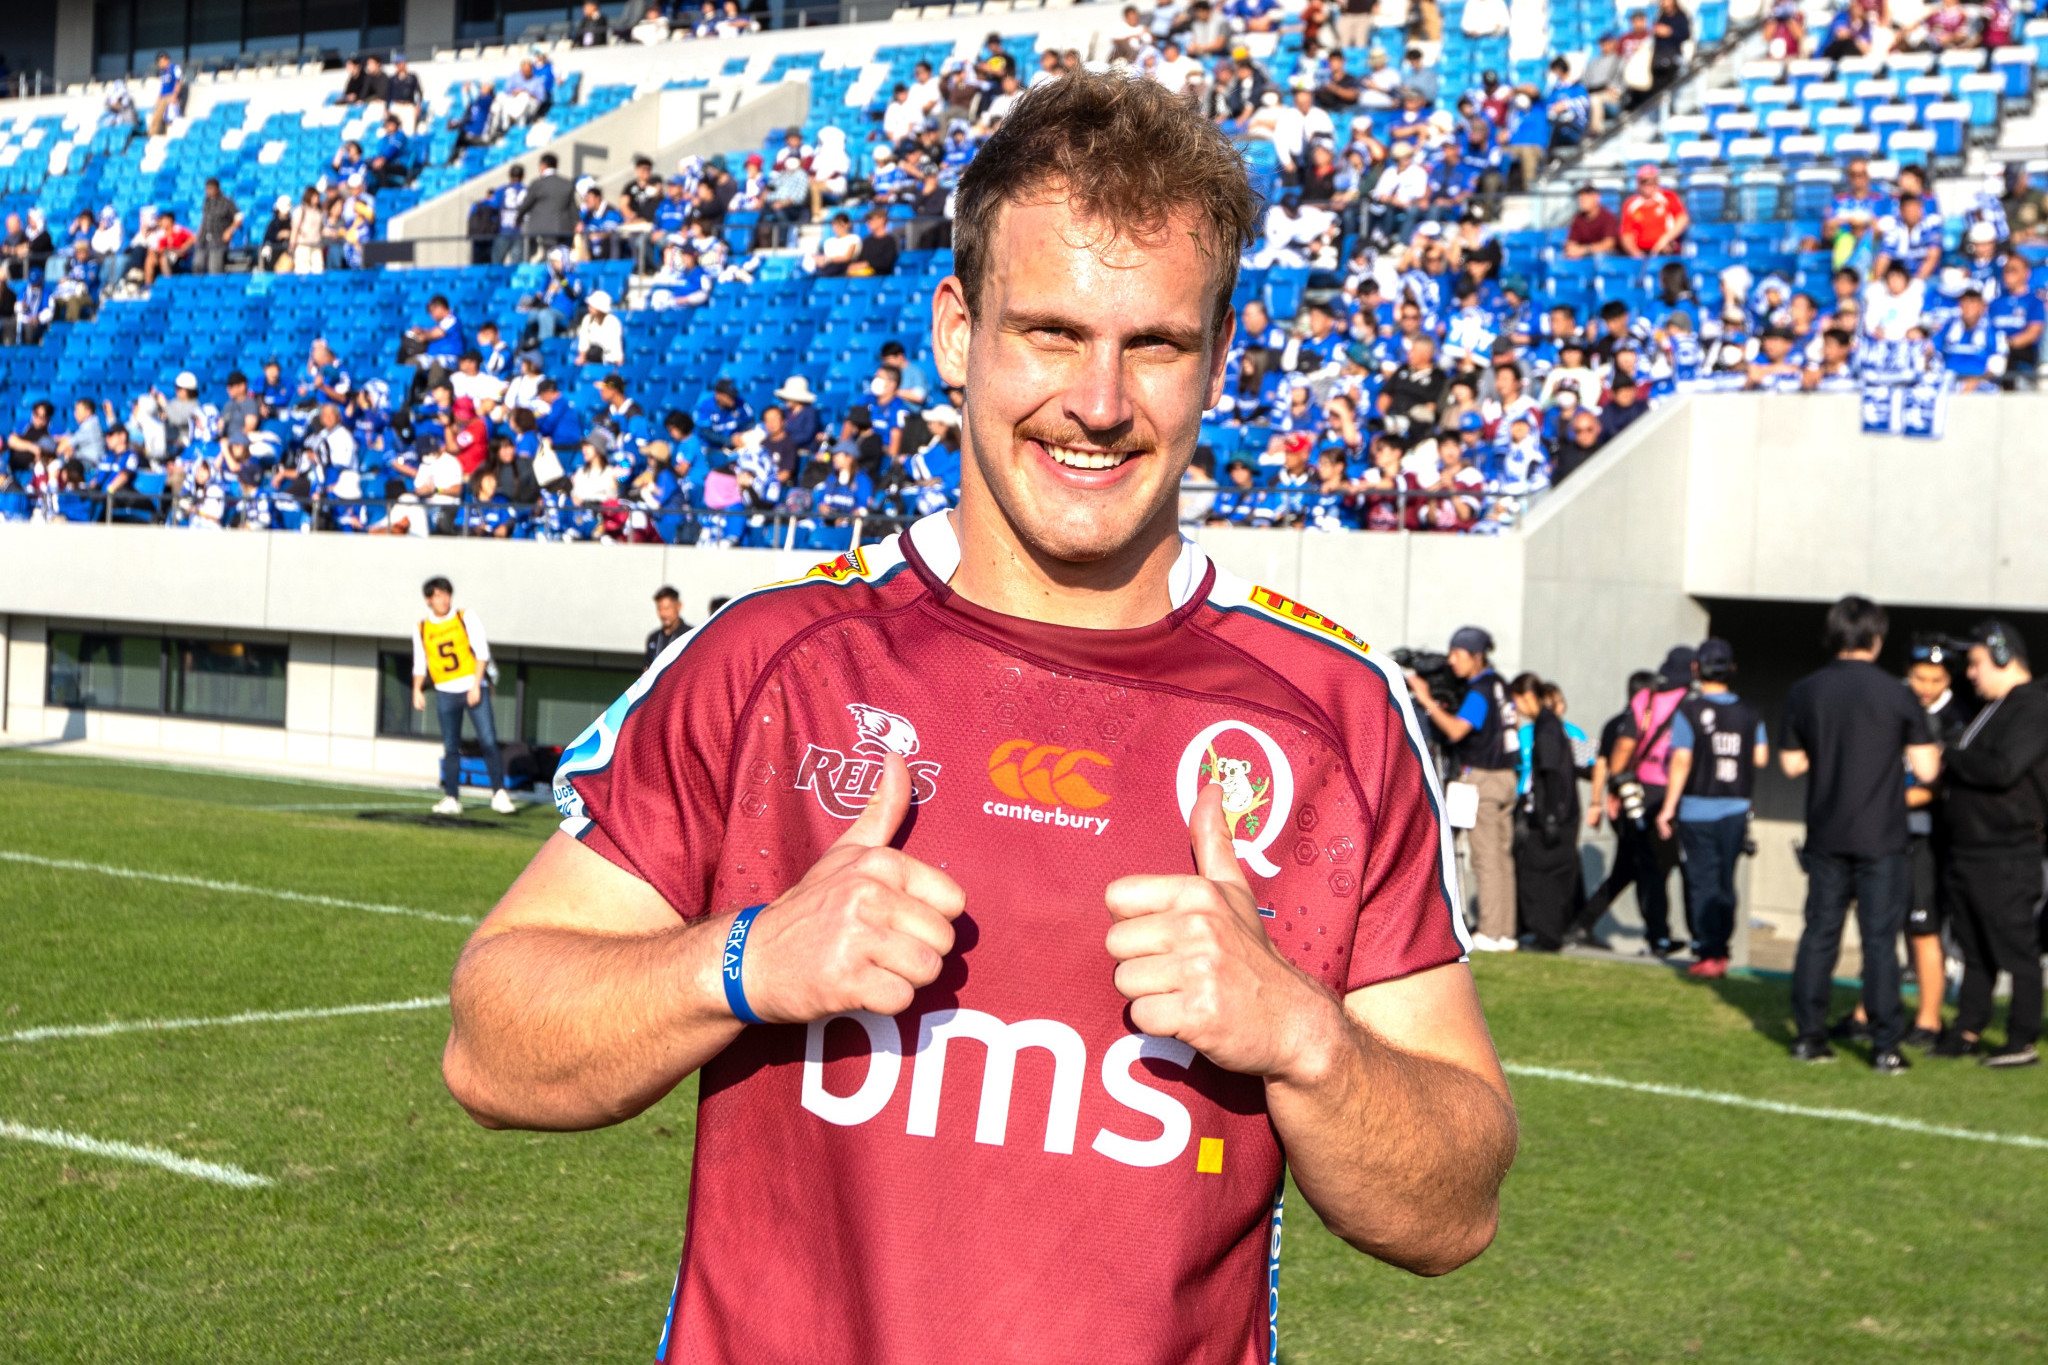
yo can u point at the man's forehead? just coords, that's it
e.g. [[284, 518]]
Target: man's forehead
[[1047, 254]]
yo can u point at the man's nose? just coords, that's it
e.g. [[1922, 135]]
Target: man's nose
[[1099, 399]]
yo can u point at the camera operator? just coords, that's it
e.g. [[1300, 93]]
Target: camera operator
[[1639, 780], [1847, 725], [1625, 871], [1997, 782], [1484, 737], [1717, 744]]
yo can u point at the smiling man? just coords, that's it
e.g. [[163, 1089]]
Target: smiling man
[[1026, 889]]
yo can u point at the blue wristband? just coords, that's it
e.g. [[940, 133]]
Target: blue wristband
[[735, 956]]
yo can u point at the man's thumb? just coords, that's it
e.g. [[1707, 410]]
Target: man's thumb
[[1215, 854], [876, 825]]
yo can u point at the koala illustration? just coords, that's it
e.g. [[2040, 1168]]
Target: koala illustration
[[1241, 796], [882, 731]]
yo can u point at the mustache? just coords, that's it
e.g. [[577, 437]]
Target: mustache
[[1130, 443]]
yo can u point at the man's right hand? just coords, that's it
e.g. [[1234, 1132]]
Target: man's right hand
[[419, 699], [866, 927]]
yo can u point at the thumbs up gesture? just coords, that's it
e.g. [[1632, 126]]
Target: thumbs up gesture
[[864, 929], [1195, 962]]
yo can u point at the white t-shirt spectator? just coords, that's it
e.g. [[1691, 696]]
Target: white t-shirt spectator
[[1173, 73], [603, 331], [841, 250], [1404, 186], [925, 96], [479, 388], [440, 480], [1293, 129], [1888, 316], [901, 119]]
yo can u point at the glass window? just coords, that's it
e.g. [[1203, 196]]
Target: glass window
[[113, 32], [561, 702], [274, 19], [395, 715], [106, 672], [216, 23], [158, 28], [228, 680]]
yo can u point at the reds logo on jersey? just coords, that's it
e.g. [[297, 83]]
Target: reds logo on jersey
[[844, 782]]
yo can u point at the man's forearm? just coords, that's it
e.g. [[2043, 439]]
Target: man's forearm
[[562, 1029], [1401, 1155]]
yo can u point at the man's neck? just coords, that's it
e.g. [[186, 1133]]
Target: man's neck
[[999, 570]]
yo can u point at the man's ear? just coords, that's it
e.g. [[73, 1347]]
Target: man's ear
[[952, 329]]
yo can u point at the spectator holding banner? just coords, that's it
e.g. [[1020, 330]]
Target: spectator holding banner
[[1846, 728], [1717, 745]]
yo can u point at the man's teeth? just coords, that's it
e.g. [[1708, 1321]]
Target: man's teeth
[[1087, 459]]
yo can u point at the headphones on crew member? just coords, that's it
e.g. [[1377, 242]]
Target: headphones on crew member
[[1991, 635]]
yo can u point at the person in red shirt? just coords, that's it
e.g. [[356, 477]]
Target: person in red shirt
[[468, 436], [1654, 219], [1594, 228], [1030, 892], [173, 242]]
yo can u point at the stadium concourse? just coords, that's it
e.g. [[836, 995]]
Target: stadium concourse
[[1428, 337]]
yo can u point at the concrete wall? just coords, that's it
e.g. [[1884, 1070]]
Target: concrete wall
[[605, 147], [1789, 499], [428, 22]]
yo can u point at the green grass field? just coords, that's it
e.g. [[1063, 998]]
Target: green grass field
[[1636, 1227]]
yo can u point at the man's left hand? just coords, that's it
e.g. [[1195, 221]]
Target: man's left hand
[[1194, 960], [476, 694], [1663, 824]]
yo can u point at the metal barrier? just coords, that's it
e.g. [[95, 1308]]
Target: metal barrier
[[636, 523]]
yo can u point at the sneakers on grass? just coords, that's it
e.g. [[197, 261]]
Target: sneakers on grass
[[501, 802], [1487, 943], [1708, 969], [2008, 1056], [448, 805]]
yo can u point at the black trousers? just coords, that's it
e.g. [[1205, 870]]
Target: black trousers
[[1547, 883], [1644, 860], [1993, 924], [1879, 888]]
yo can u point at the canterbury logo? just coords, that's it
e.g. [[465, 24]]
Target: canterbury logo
[[851, 565], [1049, 774]]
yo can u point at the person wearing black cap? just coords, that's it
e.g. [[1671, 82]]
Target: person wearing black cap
[[1717, 744], [1927, 849], [1847, 726], [668, 609], [1641, 752], [1485, 738], [1997, 780]]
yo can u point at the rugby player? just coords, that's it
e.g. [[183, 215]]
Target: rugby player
[[1026, 889]]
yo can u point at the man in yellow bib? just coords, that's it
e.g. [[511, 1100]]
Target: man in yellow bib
[[450, 651]]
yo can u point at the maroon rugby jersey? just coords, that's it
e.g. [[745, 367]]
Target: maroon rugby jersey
[[1007, 1171]]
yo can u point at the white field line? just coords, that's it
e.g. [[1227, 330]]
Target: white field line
[[1804, 1111], [114, 1026], [25, 762], [128, 1151], [233, 888]]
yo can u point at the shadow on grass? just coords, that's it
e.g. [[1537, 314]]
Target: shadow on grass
[[429, 821]]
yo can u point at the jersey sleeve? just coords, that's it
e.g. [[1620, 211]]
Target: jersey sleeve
[[647, 785], [419, 654], [1409, 917]]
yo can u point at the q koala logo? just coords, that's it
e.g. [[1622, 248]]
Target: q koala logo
[[1257, 782], [844, 782]]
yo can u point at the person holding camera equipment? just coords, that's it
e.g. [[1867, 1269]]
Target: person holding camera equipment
[[1717, 744], [1624, 872], [1483, 736], [1547, 841], [1847, 725], [1639, 780], [1996, 777]]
